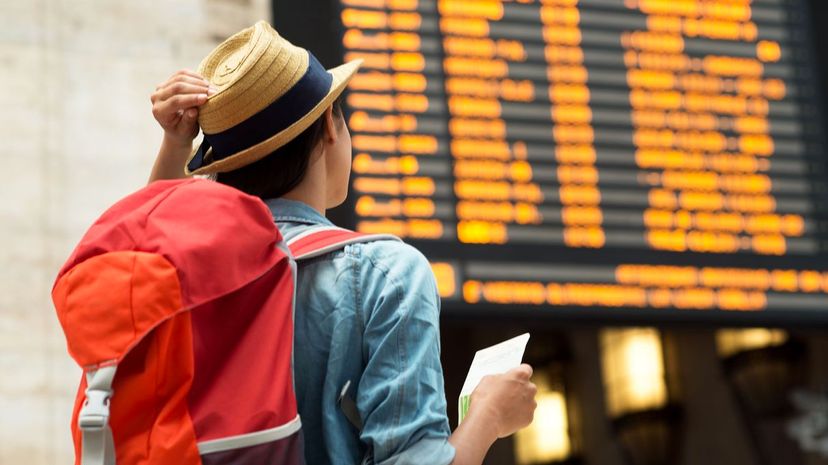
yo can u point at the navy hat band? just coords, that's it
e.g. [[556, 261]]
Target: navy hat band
[[292, 106]]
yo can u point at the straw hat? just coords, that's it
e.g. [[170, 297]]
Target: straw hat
[[269, 91]]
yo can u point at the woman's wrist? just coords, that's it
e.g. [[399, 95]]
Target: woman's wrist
[[175, 145], [172, 155], [485, 423], [473, 438]]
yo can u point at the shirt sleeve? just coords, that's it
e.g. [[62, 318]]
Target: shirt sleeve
[[401, 396]]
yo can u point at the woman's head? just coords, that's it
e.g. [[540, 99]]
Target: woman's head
[[274, 126], [326, 141]]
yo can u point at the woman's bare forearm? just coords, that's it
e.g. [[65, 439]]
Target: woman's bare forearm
[[472, 439], [169, 164]]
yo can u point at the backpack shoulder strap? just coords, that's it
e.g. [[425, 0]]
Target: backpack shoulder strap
[[323, 239], [319, 241]]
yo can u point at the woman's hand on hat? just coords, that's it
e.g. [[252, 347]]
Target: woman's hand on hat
[[175, 105]]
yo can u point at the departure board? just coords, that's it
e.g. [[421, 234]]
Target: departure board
[[603, 157]]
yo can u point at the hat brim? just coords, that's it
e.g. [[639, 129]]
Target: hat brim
[[341, 75]]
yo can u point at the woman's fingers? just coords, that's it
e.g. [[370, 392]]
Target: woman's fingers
[[523, 372], [184, 79], [183, 74], [189, 72], [185, 101], [179, 88], [169, 110]]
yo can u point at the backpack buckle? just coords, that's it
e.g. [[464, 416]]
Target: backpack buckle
[[94, 415]]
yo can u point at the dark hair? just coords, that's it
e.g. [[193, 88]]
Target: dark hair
[[283, 169]]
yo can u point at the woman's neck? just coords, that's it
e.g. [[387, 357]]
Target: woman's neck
[[312, 190]]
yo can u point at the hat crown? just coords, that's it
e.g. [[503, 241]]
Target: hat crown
[[251, 69], [230, 65]]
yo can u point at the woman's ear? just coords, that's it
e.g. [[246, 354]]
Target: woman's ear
[[330, 126]]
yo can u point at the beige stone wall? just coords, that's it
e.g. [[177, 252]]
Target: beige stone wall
[[77, 134]]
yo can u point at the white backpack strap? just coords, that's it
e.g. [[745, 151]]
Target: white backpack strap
[[97, 447], [321, 240]]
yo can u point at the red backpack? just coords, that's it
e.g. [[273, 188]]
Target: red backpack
[[178, 305]]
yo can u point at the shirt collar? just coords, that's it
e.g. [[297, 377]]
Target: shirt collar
[[296, 212]]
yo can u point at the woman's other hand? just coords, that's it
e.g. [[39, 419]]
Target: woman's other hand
[[500, 405], [508, 400]]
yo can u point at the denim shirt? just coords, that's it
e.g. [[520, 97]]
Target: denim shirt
[[368, 314]]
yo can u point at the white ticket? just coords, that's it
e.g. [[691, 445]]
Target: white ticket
[[493, 360]]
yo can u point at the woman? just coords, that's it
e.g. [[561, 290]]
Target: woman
[[369, 313]]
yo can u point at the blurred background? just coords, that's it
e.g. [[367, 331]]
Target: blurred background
[[77, 119], [641, 184]]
